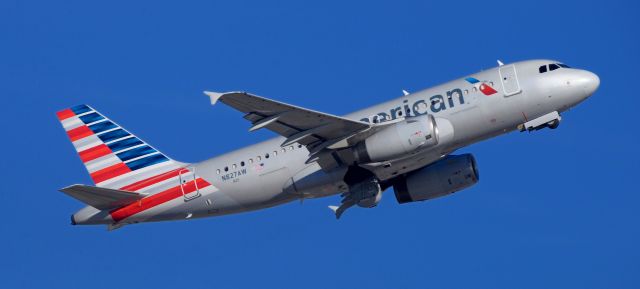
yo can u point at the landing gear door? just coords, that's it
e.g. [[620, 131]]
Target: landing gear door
[[188, 184], [509, 79]]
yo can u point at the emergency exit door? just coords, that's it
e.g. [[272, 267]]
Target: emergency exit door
[[509, 79]]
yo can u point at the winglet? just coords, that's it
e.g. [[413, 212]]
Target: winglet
[[214, 96], [336, 210]]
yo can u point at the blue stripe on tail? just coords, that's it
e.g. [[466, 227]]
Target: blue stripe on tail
[[113, 135], [124, 144], [136, 152], [147, 161], [102, 126], [92, 117], [78, 109]]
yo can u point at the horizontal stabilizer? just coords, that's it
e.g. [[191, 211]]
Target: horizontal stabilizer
[[101, 198]]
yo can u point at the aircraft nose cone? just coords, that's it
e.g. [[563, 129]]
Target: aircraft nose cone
[[589, 82], [592, 83]]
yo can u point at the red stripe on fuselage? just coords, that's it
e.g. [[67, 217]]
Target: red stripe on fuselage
[[79, 132], [109, 172], [150, 181], [64, 114], [94, 153], [157, 199]]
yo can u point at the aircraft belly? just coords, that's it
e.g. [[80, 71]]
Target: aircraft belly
[[313, 182]]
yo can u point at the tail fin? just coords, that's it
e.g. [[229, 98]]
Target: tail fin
[[113, 156]]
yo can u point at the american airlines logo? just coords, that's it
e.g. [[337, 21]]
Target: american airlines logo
[[485, 88], [434, 104]]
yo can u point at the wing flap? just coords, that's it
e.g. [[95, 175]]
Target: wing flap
[[101, 198]]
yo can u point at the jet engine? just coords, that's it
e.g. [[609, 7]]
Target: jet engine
[[441, 178], [398, 139]]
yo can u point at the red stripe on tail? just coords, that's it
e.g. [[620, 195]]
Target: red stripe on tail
[[94, 153], [109, 172], [64, 114], [150, 181], [79, 132]]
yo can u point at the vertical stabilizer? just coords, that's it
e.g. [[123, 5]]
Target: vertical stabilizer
[[113, 156]]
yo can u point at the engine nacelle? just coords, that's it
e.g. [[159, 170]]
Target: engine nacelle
[[398, 139], [441, 178]]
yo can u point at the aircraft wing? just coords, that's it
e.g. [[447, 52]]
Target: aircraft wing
[[319, 132], [101, 198]]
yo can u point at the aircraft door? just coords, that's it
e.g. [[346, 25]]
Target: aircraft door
[[509, 79], [188, 184]]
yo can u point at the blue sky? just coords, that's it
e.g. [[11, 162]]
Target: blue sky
[[553, 208]]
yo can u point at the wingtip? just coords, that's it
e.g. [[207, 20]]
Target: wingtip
[[214, 96], [336, 211], [69, 187]]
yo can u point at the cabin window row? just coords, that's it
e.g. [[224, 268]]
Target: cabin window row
[[256, 159]]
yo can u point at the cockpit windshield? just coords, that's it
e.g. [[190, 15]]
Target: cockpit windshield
[[552, 67]]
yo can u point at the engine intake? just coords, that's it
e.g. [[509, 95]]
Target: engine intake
[[441, 178]]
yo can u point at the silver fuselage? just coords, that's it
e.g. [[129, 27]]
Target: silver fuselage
[[251, 181]]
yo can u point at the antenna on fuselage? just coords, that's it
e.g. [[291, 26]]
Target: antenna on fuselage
[[405, 92], [500, 63]]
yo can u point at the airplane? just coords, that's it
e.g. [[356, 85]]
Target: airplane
[[405, 143]]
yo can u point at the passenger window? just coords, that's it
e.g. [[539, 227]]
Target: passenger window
[[283, 150], [217, 171], [259, 158], [299, 146], [250, 161], [466, 91], [542, 69], [266, 156], [275, 153], [553, 67], [475, 89], [234, 166], [226, 169], [242, 164], [290, 148]]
